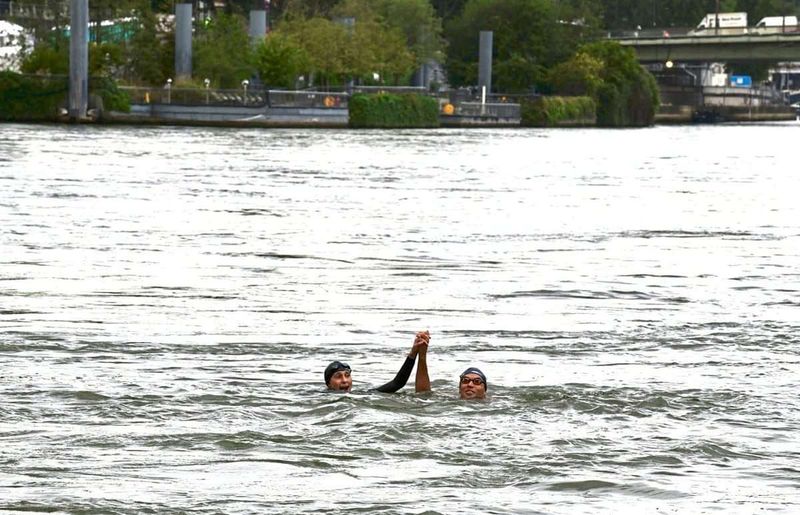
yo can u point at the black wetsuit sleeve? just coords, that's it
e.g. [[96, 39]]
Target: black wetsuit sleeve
[[400, 379]]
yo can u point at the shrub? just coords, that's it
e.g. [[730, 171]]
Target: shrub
[[558, 111], [24, 98], [386, 110], [114, 99]]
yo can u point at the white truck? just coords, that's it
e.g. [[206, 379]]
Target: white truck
[[729, 23], [776, 24]]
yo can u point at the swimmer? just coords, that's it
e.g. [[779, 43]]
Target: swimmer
[[472, 382], [338, 375]]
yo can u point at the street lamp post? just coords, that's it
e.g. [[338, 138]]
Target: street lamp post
[[245, 83], [168, 87]]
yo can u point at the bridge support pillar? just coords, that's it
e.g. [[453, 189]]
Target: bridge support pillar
[[485, 60], [78, 60], [183, 41], [258, 24]]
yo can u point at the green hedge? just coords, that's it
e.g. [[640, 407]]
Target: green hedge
[[386, 110], [30, 98], [558, 111]]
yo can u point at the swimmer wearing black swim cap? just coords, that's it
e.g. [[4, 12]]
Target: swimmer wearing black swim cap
[[338, 375], [472, 384]]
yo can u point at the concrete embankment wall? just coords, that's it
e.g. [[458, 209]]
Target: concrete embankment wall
[[263, 116]]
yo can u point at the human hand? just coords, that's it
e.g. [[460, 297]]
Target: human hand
[[421, 341]]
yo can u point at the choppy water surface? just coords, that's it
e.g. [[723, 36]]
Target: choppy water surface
[[169, 299]]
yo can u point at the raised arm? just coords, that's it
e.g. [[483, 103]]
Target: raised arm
[[423, 382], [404, 373]]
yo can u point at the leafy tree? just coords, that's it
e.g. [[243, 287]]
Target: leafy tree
[[325, 43], [578, 76], [415, 19], [627, 94], [337, 51], [47, 60], [105, 58], [528, 38], [223, 51], [280, 60], [303, 8], [52, 60], [150, 53], [448, 9], [387, 52]]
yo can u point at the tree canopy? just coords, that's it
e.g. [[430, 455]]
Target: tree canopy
[[529, 37]]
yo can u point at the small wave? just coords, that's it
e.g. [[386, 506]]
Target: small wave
[[714, 450], [577, 294], [739, 235], [82, 395], [581, 486]]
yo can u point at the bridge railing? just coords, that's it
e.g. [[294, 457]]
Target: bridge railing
[[649, 33]]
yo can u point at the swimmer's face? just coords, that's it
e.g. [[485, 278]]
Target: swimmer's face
[[471, 386], [341, 381]]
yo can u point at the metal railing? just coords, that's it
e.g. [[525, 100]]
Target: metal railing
[[194, 96], [476, 109], [308, 99], [236, 97], [390, 89], [499, 106], [36, 11], [766, 95]]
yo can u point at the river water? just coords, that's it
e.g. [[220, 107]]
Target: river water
[[169, 298]]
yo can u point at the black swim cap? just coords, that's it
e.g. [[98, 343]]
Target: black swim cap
[[477, 371], [334, 367]]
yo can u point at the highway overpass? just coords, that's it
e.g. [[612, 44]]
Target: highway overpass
[[724, 48]]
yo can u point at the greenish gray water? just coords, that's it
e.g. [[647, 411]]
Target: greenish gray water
[[169, 298]]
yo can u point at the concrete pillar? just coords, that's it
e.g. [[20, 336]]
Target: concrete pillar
[[78, 59], [485, 62], [421, 76], [258, 24], [183, 41]]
